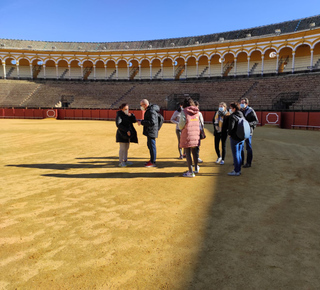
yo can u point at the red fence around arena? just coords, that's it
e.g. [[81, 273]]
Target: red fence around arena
[[287, 120]]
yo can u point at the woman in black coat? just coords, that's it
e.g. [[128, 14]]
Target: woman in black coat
[[126, 133]]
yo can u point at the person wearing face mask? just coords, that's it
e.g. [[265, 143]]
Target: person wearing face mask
[[175, 120], [236, 143], [220, 131], [150, 129], [126, 133], [252, 119]]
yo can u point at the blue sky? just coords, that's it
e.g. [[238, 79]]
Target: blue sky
[[129, 20]]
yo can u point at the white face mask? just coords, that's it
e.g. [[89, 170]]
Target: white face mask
[[126, 111], [142, 108], [230, 111]]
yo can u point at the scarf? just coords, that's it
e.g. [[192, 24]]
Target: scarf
[[218, 120]]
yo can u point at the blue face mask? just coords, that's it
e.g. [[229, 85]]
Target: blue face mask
[[221, 109], [242, 106]]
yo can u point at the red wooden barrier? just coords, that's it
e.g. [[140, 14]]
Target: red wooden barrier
[[104, 114], [314, 119], [69, 114], [300, 118], [259, 116], [167, 115], [95, 114], [271, 118], [86, 114], [9, 113], [287, 120], [113, 114], [19, 113], [208, 116]]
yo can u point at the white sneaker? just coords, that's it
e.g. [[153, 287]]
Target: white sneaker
[[197, 170], [188, 174], [218, 160], [200, 160], [122, 164], [233, 173], [222, 162]]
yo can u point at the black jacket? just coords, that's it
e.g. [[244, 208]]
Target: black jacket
[[251, 117], [150, 121], [233, 125], [224, 131], [125, 124]]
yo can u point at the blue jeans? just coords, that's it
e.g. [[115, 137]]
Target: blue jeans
[[236, 148], [151, 142], [249, 151]]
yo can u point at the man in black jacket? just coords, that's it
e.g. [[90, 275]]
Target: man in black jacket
[[150, 129], [252, 118]]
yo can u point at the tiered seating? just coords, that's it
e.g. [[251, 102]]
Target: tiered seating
[[261, 91]]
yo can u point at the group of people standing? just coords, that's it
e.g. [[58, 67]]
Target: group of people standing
[[189, 124]]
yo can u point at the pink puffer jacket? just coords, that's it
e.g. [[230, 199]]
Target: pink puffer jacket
[[190, 134]]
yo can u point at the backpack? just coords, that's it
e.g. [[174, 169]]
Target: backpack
[[160, 120], [243, 128]]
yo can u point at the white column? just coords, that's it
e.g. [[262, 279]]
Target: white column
[[4, 69], [277, 65], [105, 72], [186, 70], [81, 69], [235, 67], [117, 74], [222, 67], [197, 69], [128, 71], [18, 70], [293, 57], [69, 67], [31, 75], [94, 72], [248, 72], [162, 70], [44, 71], [262, 64], [139, 71], [150, 71], [57, 71], [173, 66], [311, 60], [209, 64]]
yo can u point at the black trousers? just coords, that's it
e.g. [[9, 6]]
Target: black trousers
[[223, 138]]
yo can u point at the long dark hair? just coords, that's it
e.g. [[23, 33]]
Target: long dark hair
[[122, 106], [235, 106], [188, 102]]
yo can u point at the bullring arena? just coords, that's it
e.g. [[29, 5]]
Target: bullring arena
[[72, 219]]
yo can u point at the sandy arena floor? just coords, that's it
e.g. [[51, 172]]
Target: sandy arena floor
[[72, 219]]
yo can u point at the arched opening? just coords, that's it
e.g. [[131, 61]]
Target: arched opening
[[133, 69], [24, 68], [75, 69], [215, 65], [255, 62], [145, 69], [285, 60], [156, 69], [11, 68], [316, 56], [203, 67], [242, 63], [191, 70], [228, 64], [270, 61], [122, 69], [179, 68], [87, 70], [100, 70], [111, 70], [63, 69], [167, 68], [302, 58]]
